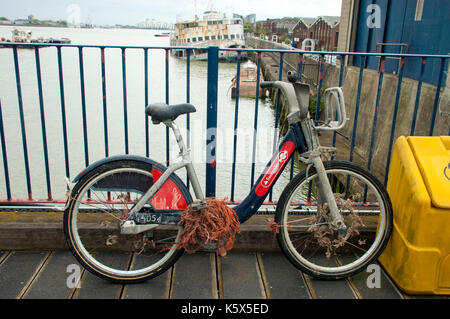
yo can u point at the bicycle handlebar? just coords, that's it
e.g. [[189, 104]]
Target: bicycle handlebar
[[296, 94], [297, 98], [267, 84]]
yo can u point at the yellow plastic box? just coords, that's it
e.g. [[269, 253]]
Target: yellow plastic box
[[417, 256]]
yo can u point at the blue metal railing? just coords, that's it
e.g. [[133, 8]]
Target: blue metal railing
[[211, 107]]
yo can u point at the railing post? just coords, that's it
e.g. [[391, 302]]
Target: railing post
[[211, 120], [255, 121], [22, 123], [436, 98], [83, 106], [167, 102], [43, 126], [5, 156], [236, 121], [105, 106], [63, 112], [188, 100], [125, 103]]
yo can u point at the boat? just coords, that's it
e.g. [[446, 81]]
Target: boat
[[21, 36], [164, 34], [215, 29], [247, 81], [53, 40]]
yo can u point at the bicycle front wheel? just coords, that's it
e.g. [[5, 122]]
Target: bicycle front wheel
[[306, 235], [101, 201]]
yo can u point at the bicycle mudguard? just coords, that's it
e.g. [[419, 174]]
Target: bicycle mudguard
[[293, 140], [173, 195]]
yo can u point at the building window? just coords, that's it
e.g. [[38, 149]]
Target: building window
[[200, 38], [194, 39], [225, 36], [232, 36], [219, 37], [419, 10], [207, 38], [213, 37]]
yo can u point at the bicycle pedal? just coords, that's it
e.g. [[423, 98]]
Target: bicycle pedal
[[212, 246], [198, 205]]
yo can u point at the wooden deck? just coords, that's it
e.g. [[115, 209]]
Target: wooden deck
[[240, 275]]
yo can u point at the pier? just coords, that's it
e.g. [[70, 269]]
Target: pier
[[32, 224], [44, 275]]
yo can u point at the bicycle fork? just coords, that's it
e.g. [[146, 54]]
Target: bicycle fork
[[326, 193]]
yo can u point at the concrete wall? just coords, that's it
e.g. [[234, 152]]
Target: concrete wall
[[345, 26], [367, 106]]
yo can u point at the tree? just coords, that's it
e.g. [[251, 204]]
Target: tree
[[260, 30], [285, 39], [248, 27]]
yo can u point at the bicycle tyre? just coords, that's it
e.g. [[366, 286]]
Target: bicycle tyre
[[294, 242], [86, 252]]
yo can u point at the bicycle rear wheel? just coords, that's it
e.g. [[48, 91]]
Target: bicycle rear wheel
[[305, 233], [101, 201]]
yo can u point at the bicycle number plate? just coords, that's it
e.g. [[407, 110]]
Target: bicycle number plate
[[148, 218]]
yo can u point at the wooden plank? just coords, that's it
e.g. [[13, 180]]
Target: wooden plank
[[330, 289], [364, 282], [240, 277], [16, 272], [284, 280], [263, 275], [93, 287], [156, 288], [52, 282], [385, 290], [3, 255], [193, 277], [35, 275]]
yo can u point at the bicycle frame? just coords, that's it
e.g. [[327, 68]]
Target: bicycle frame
[[294, 140]]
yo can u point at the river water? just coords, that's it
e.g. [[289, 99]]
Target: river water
[[114, 97]]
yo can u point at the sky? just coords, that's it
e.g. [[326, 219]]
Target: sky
[[110, 12]]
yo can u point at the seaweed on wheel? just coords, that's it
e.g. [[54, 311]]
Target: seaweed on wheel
[[324, 233]]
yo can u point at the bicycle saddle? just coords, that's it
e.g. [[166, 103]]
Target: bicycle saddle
[[161, 112]]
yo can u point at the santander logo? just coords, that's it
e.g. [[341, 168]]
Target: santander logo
[[275, 168]]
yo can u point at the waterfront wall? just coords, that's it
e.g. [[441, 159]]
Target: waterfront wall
[[270, 63]]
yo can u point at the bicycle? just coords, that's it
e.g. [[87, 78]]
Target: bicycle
[[332, 219]]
